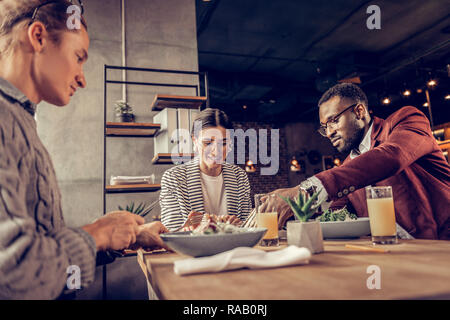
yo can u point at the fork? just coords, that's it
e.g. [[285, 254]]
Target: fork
[[191, 222]]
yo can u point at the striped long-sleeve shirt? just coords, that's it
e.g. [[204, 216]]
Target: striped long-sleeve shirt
[[181, 193]]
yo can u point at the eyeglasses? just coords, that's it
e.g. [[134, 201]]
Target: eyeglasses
[[35, 12], [333, 122]]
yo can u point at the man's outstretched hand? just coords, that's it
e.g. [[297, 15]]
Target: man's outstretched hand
[[273, 203]]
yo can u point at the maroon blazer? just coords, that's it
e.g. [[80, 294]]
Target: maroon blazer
[[405, 155]]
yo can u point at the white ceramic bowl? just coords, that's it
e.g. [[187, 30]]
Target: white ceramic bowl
[[345, 229], [199, 245]]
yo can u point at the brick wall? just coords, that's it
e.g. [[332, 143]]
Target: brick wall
[[265, 183]]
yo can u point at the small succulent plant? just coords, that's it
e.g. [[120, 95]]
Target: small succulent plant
[[141, 210], [122, 107], [302, 206]]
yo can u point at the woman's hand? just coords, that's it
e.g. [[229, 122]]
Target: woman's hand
[[193, 221], [231, 219]]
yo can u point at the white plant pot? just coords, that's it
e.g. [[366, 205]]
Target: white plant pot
[[305, 234]]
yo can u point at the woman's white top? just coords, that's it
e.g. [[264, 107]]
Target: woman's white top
[[214, 197]]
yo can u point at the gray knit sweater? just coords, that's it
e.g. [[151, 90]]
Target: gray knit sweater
[[35, 245]]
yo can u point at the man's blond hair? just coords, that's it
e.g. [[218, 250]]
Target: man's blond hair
[[15, 15]]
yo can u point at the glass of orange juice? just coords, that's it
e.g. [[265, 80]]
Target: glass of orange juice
[[380, 204], [267, 217]]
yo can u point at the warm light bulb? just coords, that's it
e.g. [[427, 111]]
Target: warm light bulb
[[244, 107], [249, 163], [425, 104], [406, 93], [447, 97], [432, 83], [386, 100]]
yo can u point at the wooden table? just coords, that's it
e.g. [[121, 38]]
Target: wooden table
[[412, 269]]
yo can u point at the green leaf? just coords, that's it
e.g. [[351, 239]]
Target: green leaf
[[294, 208], [139, 208], [306, 208], [298, 200], [120, 208], [132, 207]]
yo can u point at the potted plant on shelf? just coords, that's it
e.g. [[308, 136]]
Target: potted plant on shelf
[[124, 112], [301, 232]]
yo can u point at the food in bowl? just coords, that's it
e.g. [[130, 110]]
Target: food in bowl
[[337, 215], [200, 244], [210, 226]]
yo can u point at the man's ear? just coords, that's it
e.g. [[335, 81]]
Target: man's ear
[[360, 111], [38, 36]]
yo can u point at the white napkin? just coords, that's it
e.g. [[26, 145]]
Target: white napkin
[[243, 257]]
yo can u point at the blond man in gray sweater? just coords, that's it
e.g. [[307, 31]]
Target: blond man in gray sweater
[[41, 59]]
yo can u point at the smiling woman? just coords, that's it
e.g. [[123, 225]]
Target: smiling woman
[[206, 184]]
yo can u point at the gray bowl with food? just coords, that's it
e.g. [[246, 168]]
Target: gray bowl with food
[[342, 224], [207, 244]]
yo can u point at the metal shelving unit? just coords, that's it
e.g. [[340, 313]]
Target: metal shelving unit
[[145, 130]]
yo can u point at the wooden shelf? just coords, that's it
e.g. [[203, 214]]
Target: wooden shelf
[[162, 101], [129, 188], [131, 129], [444, 144], [166, 158]]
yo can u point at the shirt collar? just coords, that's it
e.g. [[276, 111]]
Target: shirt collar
[[15, 94], [364, 146]]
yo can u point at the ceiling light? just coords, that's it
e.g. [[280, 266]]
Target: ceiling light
[[419, 90], [249, 167], [425, 104], [432, 83], [295, 166], [337, 162], [386, 100], [447, 97], [406, 93]]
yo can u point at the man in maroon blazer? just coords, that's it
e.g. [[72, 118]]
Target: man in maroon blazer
[[399, 151]]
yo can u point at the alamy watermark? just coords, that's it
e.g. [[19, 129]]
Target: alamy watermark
[[374, 280], [74, 278], [258, 145], [374, 20], [74, 20]]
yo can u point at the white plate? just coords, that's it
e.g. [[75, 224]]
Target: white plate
[[345, 229], [199, 245]]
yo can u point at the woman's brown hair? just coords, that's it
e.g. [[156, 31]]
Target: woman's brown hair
[[211, 117]]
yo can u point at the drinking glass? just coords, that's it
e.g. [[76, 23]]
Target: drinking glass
[[380, 204], [267, 217]]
